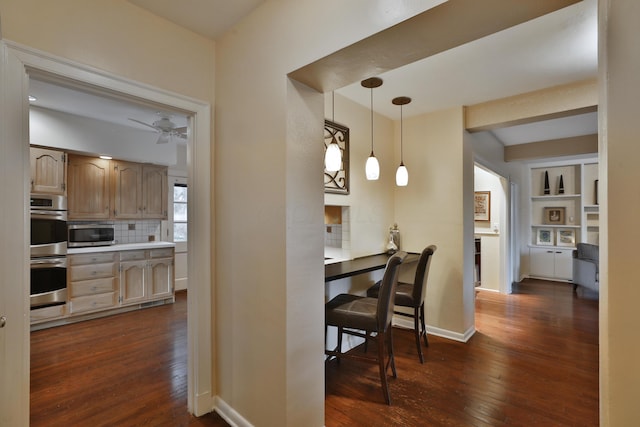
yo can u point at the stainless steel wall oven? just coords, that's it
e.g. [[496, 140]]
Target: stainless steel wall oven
[[48, 250]]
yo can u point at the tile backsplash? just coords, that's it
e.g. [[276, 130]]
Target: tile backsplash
[[338, 235], [131, 231]]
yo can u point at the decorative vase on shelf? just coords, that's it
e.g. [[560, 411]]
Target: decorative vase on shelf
[[547, 190], [561, 186], [391, 246], [394, 240]]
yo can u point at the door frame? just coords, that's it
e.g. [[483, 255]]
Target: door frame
[[200, 341]]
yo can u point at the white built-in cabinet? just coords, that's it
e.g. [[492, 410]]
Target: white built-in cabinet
[[561, 215]]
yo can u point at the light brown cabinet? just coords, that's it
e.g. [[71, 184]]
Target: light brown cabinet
[[146, 275], [139, 191], [48, 171], [127, 190], [89, 182], [116, 189], [93, 282], [154, 192]]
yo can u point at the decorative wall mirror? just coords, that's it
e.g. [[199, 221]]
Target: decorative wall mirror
[[338, 181]]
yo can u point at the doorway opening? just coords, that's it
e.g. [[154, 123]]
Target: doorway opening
[[492, 231], [37, 65]]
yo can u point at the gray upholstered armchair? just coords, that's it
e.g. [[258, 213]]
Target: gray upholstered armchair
[[586, 269]]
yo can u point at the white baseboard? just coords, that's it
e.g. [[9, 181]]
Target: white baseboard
[[229, 414], [204, 403], [444, 333]]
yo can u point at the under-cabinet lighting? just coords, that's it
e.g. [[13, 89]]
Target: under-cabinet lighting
[[106, 157]]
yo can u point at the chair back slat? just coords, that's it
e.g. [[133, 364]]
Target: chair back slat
[[422, 273], [387, 290]]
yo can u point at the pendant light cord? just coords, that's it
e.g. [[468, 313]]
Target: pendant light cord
[[401, 138], [371, 120], [333, 106]]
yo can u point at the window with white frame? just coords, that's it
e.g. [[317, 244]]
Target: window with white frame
[[179, 212]]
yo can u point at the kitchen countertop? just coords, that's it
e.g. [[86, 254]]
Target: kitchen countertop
[[121, 247]]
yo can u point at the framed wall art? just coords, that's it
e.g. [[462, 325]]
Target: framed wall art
[[544, 236], [482, 206], [337, 182], [565, 237], [553, 215]]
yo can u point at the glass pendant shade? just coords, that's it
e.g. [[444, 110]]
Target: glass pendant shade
[[402, 176], [333, 158], [372, 168]]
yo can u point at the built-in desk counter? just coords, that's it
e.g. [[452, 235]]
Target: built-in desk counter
[[365, 264]]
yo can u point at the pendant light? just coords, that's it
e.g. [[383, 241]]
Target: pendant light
[[372, 167], [402, 174], [333, 154]]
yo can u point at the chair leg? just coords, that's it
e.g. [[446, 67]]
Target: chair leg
[[424, 328], [339, 346], [417, 332], [392, 359], [383, 370]]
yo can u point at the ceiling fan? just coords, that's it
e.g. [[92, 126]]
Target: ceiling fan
[[166, 128]]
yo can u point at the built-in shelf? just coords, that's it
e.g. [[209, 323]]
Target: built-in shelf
[[548, 256]]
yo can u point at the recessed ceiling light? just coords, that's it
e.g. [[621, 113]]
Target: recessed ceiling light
[[32, 98], [106, 157]]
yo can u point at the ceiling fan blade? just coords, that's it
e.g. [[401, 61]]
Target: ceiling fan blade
[[146, 124], [182, 130]]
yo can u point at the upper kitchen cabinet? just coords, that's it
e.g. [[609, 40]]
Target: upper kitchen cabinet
[[139, 191], [127, 190], [88, 187], [154, 192], [48, 171], [115, 189]]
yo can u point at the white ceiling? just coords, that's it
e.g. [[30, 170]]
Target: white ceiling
[[555, 49]]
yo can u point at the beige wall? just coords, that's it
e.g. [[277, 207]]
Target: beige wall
[[370, 202], [430, 211], [619, 206], [270, 277], [115, 36]]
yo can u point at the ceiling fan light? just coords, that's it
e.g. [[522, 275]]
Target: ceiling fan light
[[163, 138], [333, 158], [402, 176], [372, 168]]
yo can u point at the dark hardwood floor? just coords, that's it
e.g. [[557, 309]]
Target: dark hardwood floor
[[125, 370], [532, 362]]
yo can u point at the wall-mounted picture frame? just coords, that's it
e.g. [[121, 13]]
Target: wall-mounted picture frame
[[565, 237], [482, 206], [544, 236], [553, 215], [337, 182]]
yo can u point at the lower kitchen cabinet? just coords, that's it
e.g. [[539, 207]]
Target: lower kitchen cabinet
[[146, 275], [92, 282], [101, 283], [551, 263]]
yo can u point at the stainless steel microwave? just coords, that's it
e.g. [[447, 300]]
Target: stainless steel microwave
[[86, 235]]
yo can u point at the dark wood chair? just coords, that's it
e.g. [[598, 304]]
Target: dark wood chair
[[412, 295], [363, 316]]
